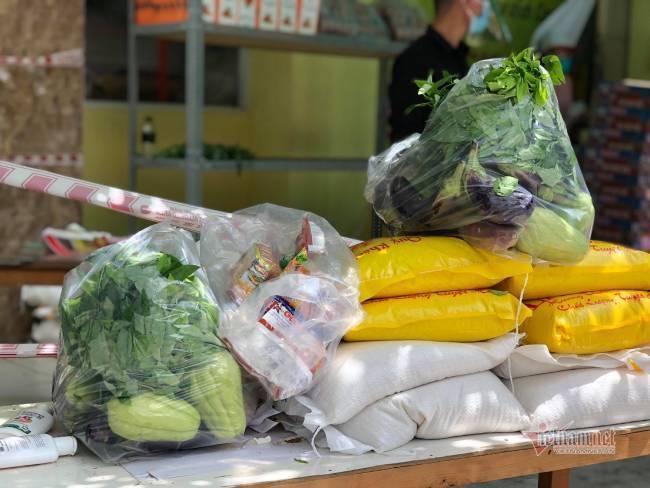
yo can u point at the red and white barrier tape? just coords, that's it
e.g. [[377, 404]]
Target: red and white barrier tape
[[73, 58], [45, 350], [47, 160], [146, 207], [143, 206]]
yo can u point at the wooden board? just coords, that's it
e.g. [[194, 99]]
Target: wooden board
[[482, 467], [44, 272], [472, 467], [444, 462]]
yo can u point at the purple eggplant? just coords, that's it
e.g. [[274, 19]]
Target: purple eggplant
[[509, 208], [408, 202], [494, 237]]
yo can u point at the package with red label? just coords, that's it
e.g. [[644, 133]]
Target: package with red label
[[253, 268], [165, 12], [287, 299], [282, 317], [308, 15], [227, 12], [288, 20], [267, 15], [247, 12]]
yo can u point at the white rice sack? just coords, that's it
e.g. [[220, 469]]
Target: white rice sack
[[364, 372], [584, 398], [462, 405], [534, 359]]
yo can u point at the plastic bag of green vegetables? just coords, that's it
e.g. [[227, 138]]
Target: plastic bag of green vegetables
[[494, 165], [141, 368]]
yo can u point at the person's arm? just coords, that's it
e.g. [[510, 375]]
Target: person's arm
[[403, 93]]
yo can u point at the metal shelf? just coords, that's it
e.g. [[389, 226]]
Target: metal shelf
[[257, 164], [197, 33], [259, 39]]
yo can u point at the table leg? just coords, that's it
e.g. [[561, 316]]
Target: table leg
[[554, 479]]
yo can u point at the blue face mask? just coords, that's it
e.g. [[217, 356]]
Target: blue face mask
[[479, 24], [567, 64]]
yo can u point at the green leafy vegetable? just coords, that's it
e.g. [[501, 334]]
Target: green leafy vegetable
[[171, 267], [433, 91], [554, 67], [505, 185], [455, 184], [521, 75], [137, 320], [211, 152]]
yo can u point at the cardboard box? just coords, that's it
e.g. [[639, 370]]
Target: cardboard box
[[248, 12], [308, 16], [267, 15], [288, 16], [168, 12]]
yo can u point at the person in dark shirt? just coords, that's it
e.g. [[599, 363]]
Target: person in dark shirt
[[440, 49]]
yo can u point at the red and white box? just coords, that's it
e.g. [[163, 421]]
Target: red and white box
[[267, 15], [308, 15], [288, 21], [227, 12], [149, 12], [247, 13], [210, 10]]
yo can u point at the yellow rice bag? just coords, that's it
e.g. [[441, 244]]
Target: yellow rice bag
[[397, 266], [449, 316], [590, 323], [606, 267]]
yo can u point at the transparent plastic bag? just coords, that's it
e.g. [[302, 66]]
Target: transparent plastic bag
[[289, 288], [497, 172], [141, 368]]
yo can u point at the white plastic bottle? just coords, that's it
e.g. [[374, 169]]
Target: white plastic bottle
[[37, 420], [34, 449], [148, 137]]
